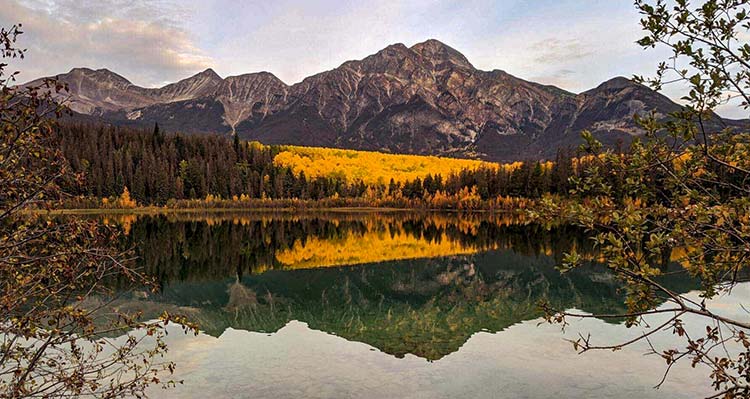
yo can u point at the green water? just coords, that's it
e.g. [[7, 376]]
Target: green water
[[284, 314]]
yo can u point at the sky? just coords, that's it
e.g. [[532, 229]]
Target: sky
[[572, 44]]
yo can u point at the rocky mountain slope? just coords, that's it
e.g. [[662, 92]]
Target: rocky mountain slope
[[424, 99]]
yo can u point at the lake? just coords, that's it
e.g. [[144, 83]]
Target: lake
[[382, 305]]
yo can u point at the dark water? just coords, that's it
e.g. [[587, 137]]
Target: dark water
[[387, 305]]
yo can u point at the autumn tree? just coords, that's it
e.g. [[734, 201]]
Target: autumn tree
[[681, 193], [125, 201], [55, 321]]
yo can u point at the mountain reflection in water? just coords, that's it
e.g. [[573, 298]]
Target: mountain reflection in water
[[404, 283]]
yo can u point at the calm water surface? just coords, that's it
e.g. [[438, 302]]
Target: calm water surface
[[369, 305]]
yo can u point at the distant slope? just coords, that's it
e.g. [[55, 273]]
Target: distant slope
[[425, 99]]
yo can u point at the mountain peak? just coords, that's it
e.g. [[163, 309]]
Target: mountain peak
[[430, 43], [262, 75], [98, 74], [396, 46], [397, 49], [208, 77], [209, 73], [616, 83], [436, 50]]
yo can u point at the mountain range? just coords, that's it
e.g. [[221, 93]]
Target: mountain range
[[424, 99]]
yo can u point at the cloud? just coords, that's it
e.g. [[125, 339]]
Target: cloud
[[572, 44], [557, 51], [140, 40], [563, 78]]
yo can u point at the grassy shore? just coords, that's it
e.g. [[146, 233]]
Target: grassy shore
[[153, 210]]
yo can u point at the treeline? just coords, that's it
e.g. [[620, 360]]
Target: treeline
[[528, 180], [157, 167], [160, 169]]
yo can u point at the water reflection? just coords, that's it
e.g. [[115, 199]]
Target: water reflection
[[255, 243], [403, 283]]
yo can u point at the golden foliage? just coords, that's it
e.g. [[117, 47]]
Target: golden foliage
[[372, 246], [125, 201], [373, 167]]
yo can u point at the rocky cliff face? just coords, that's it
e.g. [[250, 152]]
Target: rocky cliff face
[[426, 99]]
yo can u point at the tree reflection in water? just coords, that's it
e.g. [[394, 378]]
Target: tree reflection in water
[[401, 282]]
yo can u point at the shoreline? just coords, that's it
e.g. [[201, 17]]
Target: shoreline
[[160, 210]]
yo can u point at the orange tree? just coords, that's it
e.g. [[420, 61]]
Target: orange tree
[[54, 314]]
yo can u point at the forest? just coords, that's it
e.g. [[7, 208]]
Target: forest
[[128, 167], [375, 167]]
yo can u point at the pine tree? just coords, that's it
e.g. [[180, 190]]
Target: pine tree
[[158, 137]]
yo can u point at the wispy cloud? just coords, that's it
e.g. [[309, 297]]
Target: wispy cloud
[[563, 78], [140, 40], [557, 51]]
